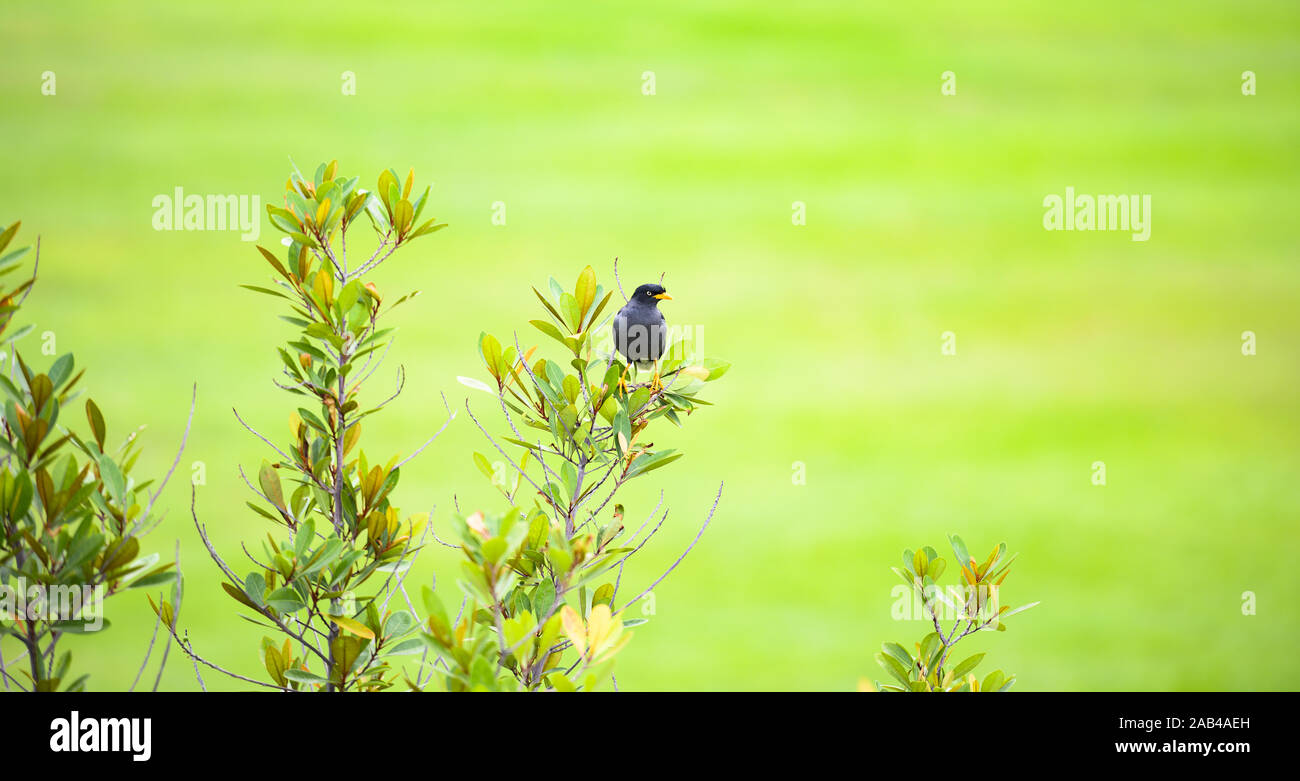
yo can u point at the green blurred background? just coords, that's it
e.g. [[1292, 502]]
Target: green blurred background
[[923, 216]]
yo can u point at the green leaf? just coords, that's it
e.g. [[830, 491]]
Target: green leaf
[[893, 667], [398, 624], [993, 681], [85, 546], [900, 654], [8, 234], [349, 295], [484, 466], [494, 549], [352, 625], [306, 535], [437, 613], [238, 595], [544, 598], [936, 568], [548, 329], [585, 291], [302, 676], [548, 306], [717, 367], [13, 392], [285, 600], [270, 482], [648, 462], [267, 291], [154, 579], [412, 645], [61, 370], [255, 587], [966, 666], [490, 349], [959, 549], [81, 627], [1020, 609], [931, 648], [571, 311], [113, 480]]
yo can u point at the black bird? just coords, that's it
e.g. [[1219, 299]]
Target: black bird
[[640, 331]]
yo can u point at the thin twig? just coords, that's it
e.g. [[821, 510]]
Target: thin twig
[[375, 259], [290, 459], [194, 395], [405, 549], [176, 616], [698, 534], [148, 652], [4, 673], [451, 416], [251, 487], [186, 646], [8, 678], [618, 282], [503, 453], [401, 383], [203, 686], [207, 543], [365, 375]]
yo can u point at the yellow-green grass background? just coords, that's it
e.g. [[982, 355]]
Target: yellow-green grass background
[[923, 216]]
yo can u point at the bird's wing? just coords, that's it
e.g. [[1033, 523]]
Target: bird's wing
[[660, 336], [620, 331]]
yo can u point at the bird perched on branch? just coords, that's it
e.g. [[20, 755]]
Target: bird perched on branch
[[640, 331]]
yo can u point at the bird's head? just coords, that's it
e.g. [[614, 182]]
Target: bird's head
[[650, 294]]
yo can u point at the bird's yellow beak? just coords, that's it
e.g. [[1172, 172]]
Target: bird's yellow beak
[[664, 297]]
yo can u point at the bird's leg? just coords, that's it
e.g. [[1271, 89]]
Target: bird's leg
[[656, 383], [622, 380]]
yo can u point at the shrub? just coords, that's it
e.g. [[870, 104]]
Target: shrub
[[973, 606], [541, 580], [335, 528], [71, 511]]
